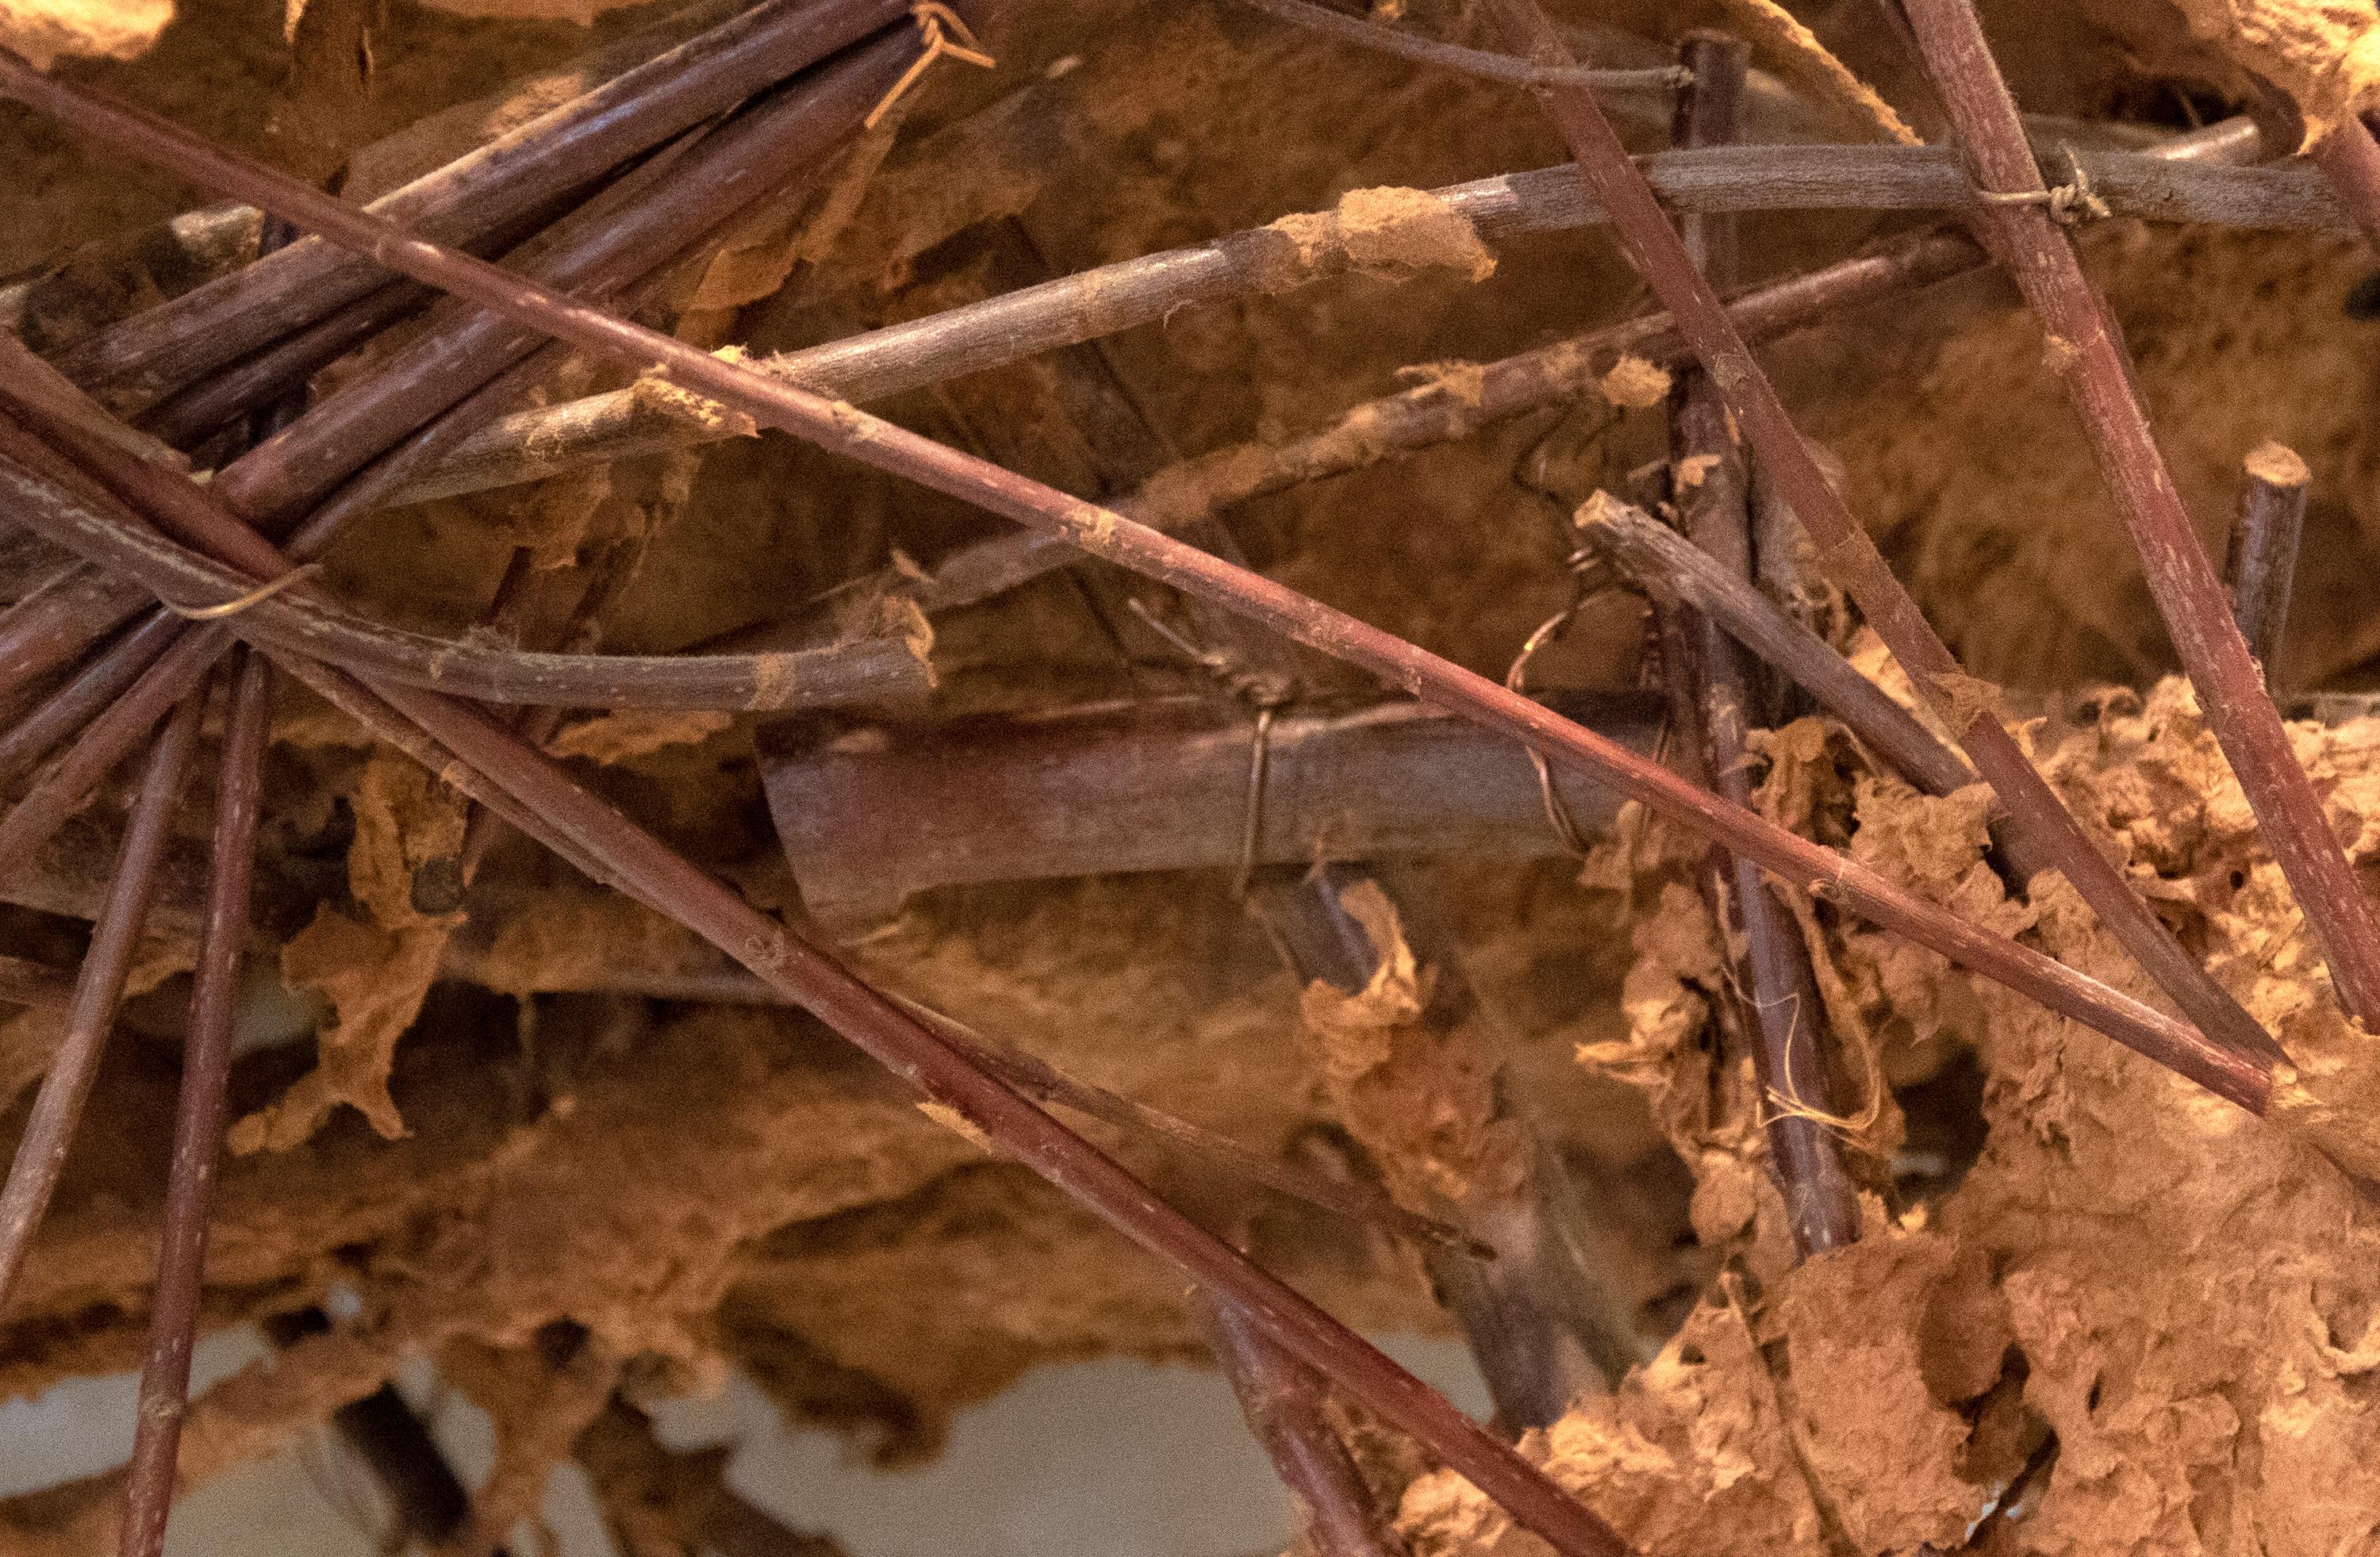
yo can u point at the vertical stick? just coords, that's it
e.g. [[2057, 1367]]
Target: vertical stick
[[199, 1119], [2350, 158], [2263, 560], [1845, 551], [2016, 224], [1788, 1021], [49, 1131]]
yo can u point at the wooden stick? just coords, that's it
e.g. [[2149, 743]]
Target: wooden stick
[[621, 236], [1787, 1020], [1662, 561], [2350, 161], [1468, 61], [878, 444], [541, 161], [1110, 299], [1545, 1324], [535, 794], [1285, 1407], [613, 241], [1847, 554], [1037, 1079], [1382, 430], [2263, 564], [2084, 354], [199, 1122], [49, 1130]]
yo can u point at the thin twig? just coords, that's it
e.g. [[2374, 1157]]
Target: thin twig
[[1374, 431], [1662, 561], [199, 1121], [1285, 1405], [2263, 564], [1468, 61], [1036, 1078], [1846, 552], [620, 236], [535, 794], [517, 174], [1786, 1020], [2085, 356], [881, 444], [1110, 299], [50, 1127]]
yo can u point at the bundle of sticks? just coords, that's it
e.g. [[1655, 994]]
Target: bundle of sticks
[[181, 590]]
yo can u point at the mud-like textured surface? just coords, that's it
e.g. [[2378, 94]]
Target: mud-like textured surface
[[2139, 1319]]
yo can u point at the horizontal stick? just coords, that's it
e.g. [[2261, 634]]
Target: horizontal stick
[[864, 671], [509, 177], [873, 816], [878, 444], [1407, 422], [533, 444]]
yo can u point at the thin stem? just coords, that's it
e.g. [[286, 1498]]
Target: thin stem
[[1285, 1407], [1035, 1078], [1845, 550], [1787, 1018], [199, 1121], [537, 795], [1394, 425], [106, 741], [874, 441], [864, 669], [537, 442], [2085, 356], [2263, 559], [1664, 562], [50, 1127], [106, 677], [519, 173], [1451, 57]]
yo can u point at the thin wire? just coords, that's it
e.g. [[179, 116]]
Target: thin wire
[[1469, 62]]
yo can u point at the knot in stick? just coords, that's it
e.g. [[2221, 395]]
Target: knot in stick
[[944, 32]]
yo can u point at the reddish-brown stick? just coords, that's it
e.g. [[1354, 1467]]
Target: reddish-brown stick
[[50, 1127], [511, 177], [2222, 1067], [2083, 351], [1845, 552], [198, 1115], [535, 795], [1285, 1405], [1786, 1020], [622, 235]]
